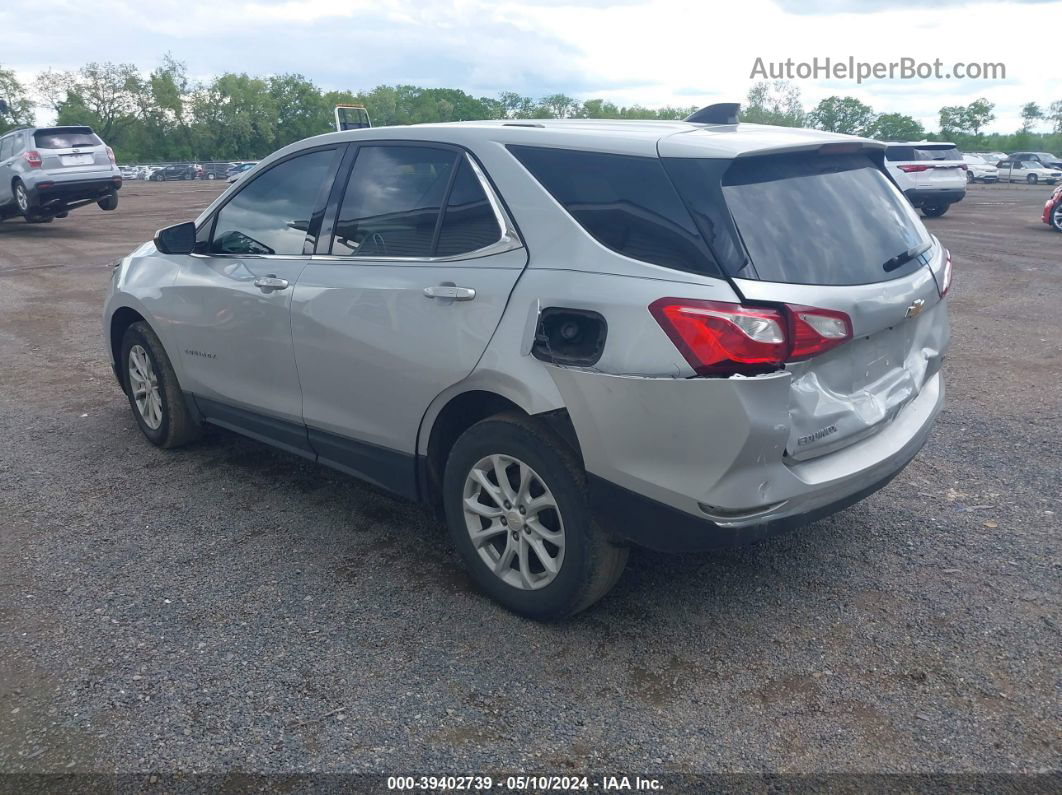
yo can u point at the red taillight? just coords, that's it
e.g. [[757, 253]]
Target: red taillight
[[33, 158], [813, 331], [945, 282], [911, 169], [719, 338], [110, 154]]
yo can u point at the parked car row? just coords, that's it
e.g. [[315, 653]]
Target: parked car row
[[171, 171], [934, 174]]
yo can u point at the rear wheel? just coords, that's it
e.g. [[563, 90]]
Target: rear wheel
[[22, 200], [1056, 217], [154, 394], [970, 177], [517, 511], [935, 210], [1032, 179], [109, 202]]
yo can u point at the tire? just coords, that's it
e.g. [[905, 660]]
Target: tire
[[935, 210], [170, 423], [22, 200], [970, 178], [108, 202], [40, 219], [211, 175], [1032, 179], [1056, 217], [586, 564]]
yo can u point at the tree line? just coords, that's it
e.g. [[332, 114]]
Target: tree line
[[165, 116]]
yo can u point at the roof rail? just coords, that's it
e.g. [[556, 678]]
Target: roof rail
[[719, 113]]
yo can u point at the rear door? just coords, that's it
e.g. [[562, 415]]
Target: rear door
[[825, 231], [400, 303], [72, 150], [7, 155]]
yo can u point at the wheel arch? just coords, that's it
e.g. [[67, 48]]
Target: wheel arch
[[459, 408], [121, 319]]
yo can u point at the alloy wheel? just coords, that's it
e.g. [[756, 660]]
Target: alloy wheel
[[1056, 217], [21, 197], [514, 522], [145, 386]]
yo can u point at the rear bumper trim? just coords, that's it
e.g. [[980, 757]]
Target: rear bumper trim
[[635, 519], [921, 196]]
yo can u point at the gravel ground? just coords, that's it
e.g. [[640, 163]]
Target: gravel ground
[[226, 607]]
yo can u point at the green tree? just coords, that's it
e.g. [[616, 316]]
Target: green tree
[[17, 108], [1054, 115], [1030, 114], [978, 115], [842, 115], [559, 106], [896, 127], [777, 102]]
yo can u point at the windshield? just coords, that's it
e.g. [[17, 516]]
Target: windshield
[[1045, 156], [813, 219]]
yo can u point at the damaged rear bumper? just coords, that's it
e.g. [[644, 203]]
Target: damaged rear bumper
[[690, 464]]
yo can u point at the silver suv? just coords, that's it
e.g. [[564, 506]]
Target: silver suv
[[47, 171], [568, 337]]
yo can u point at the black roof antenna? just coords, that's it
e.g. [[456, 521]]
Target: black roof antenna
[[720, 113]]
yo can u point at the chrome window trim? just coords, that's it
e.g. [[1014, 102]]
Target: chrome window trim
[[508, 241]]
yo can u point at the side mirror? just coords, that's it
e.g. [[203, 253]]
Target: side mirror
[[177, 239]]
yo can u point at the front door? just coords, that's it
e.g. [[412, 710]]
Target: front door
[[419, 269], [232, 302]]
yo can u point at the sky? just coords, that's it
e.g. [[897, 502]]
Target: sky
[[649, 52]]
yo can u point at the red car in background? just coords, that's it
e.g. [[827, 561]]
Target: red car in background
[[1053, 210]]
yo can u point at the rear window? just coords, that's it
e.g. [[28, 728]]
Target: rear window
[[809, 219], [66, 138], [627, 203], [908, 153]]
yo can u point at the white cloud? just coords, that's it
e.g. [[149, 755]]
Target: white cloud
[[651, 52]]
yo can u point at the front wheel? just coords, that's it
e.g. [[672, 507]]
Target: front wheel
[[1056, 217], [970, 178], [935, 210], [154, 394], [517, 511], [1031, 179]]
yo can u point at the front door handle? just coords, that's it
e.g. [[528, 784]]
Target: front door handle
[[451, 292], [268, 284]]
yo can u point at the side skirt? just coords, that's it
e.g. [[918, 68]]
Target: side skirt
[[389, 469]]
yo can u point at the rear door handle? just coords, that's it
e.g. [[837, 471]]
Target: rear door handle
[[270, 283], [451, 292]]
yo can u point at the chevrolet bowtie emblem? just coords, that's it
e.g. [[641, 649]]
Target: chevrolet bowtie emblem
[[915, 309]]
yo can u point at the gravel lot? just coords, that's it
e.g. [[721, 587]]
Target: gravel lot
[[228, 607]]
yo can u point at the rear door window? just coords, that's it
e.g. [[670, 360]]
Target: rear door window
[[274, 213], [7, 148], [627, 203], [812, 219], [392, 201], [469, 222], [66, 138]]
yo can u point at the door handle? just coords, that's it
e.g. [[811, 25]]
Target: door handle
[[270, 283], [451, 292]]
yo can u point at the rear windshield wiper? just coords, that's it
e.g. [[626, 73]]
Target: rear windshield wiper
[[905, 256]]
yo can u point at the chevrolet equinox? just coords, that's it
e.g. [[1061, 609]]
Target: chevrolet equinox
[[568, 337]]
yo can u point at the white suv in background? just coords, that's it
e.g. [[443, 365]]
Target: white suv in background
[[931, 175], [980, 170]]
